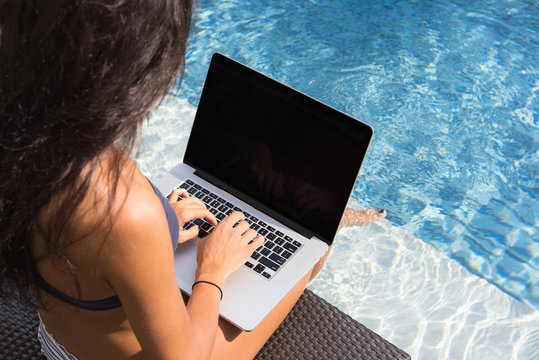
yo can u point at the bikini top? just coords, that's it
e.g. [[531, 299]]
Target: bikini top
[[114, 301]]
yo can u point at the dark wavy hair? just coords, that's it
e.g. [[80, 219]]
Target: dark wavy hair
[[75, 77]]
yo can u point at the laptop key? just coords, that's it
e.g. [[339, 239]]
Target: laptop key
[[223, 208], [278, 250], [214, 211], [205, 191], [220, 216], [255, 226], [213, 196], [286, 254], [262, 223], [263, 232], [255, 255], [215, 203], [249, 265], [259, 268], [287, 238], [198, 187], [265, 251], [189, 182], [296, 243], [202, 233], [230, 205], [199, 195], [271, 236], [279, 241], [290, 247], [207, 199], [266, 275], [270, 264], [278, 259], [270, 228], [221, 200], [206, 226], [279, 233], [269, 244], [198, 221]]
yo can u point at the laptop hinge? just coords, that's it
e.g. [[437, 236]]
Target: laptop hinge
[[254, 203]]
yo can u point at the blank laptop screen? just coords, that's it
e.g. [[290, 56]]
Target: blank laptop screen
[[293, 154]]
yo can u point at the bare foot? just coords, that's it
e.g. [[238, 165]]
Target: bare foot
[[353, 217]]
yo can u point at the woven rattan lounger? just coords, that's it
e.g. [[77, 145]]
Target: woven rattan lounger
[[314, 329]]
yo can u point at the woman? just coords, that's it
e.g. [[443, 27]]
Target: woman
[[83, 232]]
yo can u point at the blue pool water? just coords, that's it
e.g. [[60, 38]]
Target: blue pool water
[[451, 89]]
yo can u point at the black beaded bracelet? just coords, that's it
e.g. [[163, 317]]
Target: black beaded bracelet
[[208, 282]]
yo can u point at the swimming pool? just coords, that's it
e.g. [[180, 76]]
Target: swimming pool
[[450, 88]]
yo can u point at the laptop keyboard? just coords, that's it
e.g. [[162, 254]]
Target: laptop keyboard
[[268, 258]]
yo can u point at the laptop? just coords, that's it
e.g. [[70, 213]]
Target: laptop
[[286, 160]]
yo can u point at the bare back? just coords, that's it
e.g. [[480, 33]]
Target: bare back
[[96, 334]]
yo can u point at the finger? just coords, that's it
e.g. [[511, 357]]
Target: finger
[[196, 213], [192, 202], [184, 193], [173, 197], [243, 226], [211, 218], [186, 235], [249, 235], [258, 242], [234, 217]]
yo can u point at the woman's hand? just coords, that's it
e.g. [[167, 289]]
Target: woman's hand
[[226, 248], [187, 209]]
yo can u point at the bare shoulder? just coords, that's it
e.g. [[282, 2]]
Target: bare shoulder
[[115, 218], [137, 215], [138, 212]]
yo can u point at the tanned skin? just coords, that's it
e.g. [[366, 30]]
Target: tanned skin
[[135, 262]]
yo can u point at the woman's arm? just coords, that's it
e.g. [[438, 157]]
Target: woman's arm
[[137, 260]]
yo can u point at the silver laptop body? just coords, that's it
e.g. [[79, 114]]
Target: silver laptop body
[[286, 160]]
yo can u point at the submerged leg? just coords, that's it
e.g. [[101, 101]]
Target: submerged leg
[[353, 217]]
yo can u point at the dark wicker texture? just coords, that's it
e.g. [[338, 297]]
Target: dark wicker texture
[[314, 329], [18, 332]]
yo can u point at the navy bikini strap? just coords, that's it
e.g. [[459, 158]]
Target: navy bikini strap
[[112, 302], [172, 218]]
